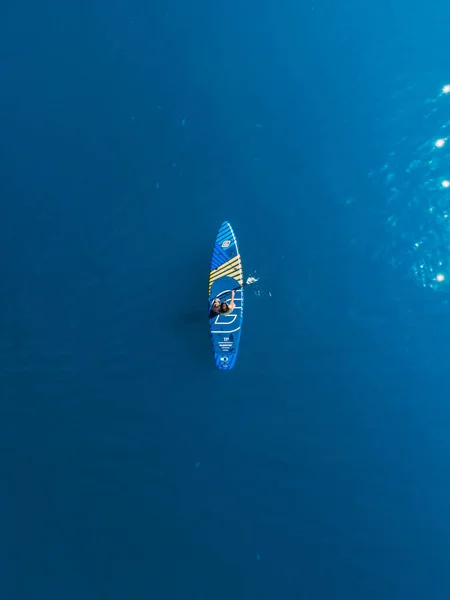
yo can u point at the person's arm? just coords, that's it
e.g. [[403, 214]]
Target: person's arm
[[215, 306], [232, 304]]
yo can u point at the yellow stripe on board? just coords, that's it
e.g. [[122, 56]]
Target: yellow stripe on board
[[232, 272], [232, 262], [225, 269], [232, 268]]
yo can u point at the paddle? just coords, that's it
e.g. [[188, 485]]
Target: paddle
[[248, 281]]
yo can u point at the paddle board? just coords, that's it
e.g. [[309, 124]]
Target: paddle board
[[225, 275]]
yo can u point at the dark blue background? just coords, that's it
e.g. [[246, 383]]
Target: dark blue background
[[130, 466]]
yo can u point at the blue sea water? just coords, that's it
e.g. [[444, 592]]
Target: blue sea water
[[130, 466]]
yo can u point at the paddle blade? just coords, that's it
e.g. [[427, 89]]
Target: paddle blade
[[251, 280]]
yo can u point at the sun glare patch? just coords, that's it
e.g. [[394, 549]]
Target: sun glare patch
[[416, 177]]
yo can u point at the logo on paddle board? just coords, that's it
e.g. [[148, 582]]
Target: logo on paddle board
[[226, 243]]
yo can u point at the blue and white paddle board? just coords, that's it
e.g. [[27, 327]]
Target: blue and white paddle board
[[225, 275]]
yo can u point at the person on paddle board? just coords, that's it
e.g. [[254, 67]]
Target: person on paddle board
[[222, 307]]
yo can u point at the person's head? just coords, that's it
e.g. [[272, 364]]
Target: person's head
[[224, 307]]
